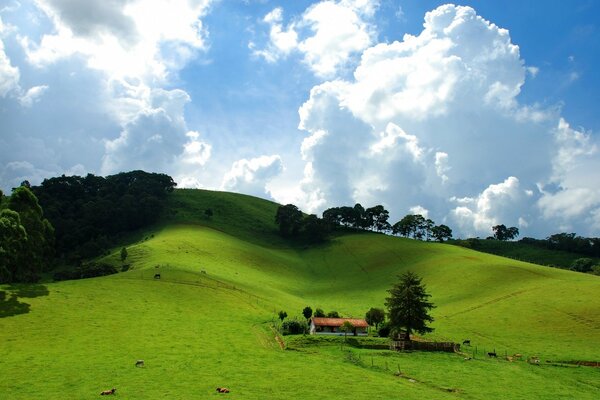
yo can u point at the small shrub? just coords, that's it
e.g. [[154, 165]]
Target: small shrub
[[384, 330], [294, 327]]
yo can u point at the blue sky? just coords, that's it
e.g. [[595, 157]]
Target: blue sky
[[474, 113]]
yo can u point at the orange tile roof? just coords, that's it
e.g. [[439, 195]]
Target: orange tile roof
[[357, 323]]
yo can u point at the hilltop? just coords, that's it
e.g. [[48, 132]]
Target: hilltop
[[207, 321]]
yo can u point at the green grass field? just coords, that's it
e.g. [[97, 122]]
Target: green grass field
[[208, 321]]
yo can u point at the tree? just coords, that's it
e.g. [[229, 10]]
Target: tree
[[408, 306], [208, 213], [123, 254], [289, 219], [315, 229], [13, 245], [319, 313], [307, 312], [346, 327], [333, 314], [501, 232], [375, 316], [39, 246], [379, 216], [282, 315], [582, 265], [441, 232]]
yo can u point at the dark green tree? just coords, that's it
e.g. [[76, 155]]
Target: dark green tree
[[39, 248], [123, 254], [441, 232], [333, 314], [314, 229], [208, 213], [319, 313], [307, 312], [282, 315], [289, 219], [408, 306], [375, 316], [501, 232], [13, 246], [582, 265], [379, 216]]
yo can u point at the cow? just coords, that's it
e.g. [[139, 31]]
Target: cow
[[492, 354], [467, 342], [156, 276], [222, 390], [108, 392], [139, 363]]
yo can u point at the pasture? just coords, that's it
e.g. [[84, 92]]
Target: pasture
[[206, 323]]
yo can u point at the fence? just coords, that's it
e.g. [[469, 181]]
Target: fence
[[401, 345]]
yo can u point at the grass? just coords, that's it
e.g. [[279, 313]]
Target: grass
[[207, 321]]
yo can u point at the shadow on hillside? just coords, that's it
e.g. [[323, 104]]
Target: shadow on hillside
[[9, 299]]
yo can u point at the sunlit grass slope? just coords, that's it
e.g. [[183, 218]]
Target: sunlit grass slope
[[206, 322]]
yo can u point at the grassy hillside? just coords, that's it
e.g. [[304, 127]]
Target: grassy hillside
[[207, 321]]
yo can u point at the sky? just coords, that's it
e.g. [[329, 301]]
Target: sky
[[472, 114]]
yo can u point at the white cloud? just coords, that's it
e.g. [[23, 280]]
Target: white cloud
[[122, 38], [9, 74], [575, 176], [418, 210], [448, 94], [156, 138], [327, 34], [495, 205], [252, 176], [33, 95]]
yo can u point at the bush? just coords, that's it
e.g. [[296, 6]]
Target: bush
[[384, 330], [294, 327], [90, 270], [582, 265]]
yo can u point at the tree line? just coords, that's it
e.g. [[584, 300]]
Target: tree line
[[74, 217], [87, 212], [293, 223]]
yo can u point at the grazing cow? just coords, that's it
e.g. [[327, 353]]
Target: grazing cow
[[156, 276], [222, 390], [467, 342], [139, 363], [107, 392], [492, 354]]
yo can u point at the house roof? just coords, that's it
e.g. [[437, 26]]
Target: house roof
[[357, 323]]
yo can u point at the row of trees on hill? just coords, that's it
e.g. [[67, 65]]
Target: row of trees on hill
[[292, 223], [570, 242], [87, 212], [26, 238]]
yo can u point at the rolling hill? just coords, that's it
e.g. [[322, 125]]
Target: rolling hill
[[208, 321]]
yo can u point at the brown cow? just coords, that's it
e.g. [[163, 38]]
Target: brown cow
[[222, 390], [107, 392]]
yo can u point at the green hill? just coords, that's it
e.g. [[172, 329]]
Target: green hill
[[207, 321]]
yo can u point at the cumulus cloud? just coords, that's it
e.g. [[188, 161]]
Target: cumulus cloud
[[573, 190], [252, 176], [122, 38], [435, 120], [32, 95], [493, 206], [156, 138], [326, 35], [9, 74]]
